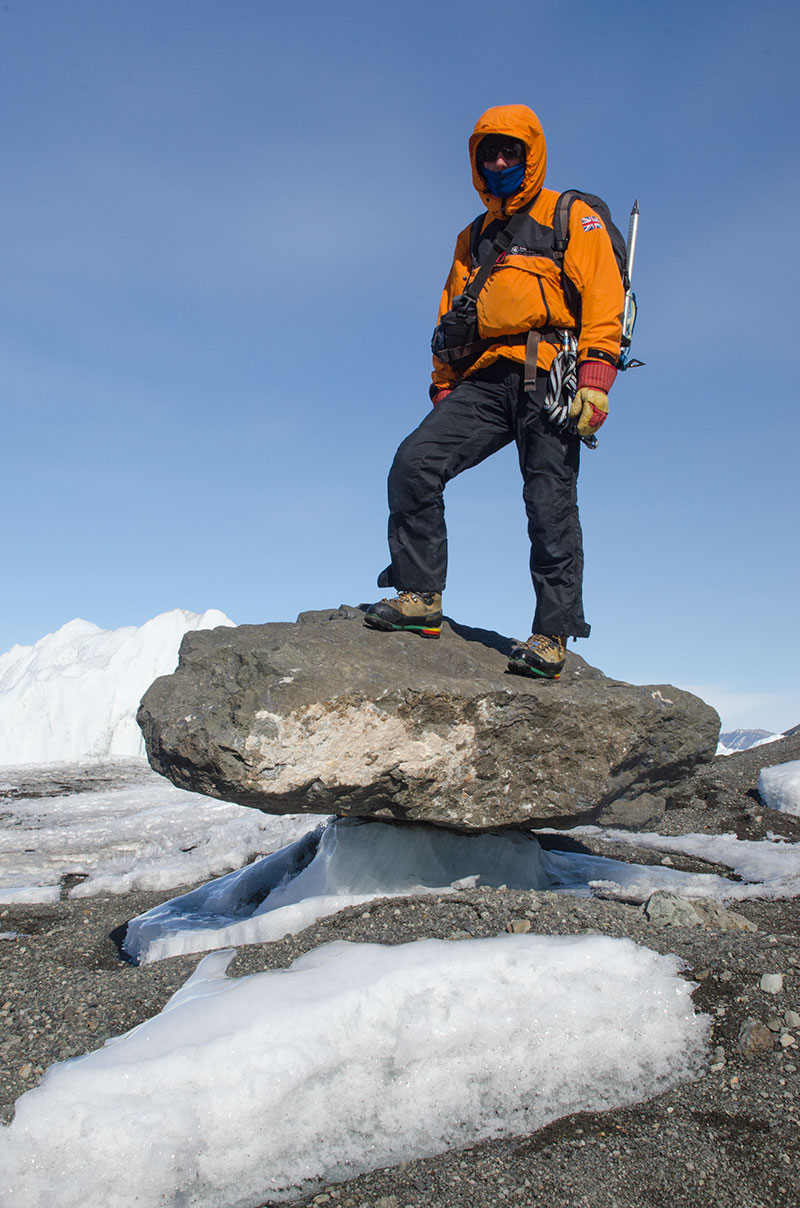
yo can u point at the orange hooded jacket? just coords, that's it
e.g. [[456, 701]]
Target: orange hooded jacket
[[525, 291]]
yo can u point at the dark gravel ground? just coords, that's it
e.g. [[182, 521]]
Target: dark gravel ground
[[729, 1139]]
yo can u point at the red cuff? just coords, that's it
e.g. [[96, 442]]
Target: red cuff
[[598, 374], [440, 394]]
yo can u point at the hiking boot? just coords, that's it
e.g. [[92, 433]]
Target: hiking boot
[[418, 611], [542, 655]]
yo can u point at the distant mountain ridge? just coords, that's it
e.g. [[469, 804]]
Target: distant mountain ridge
[[743, 740]]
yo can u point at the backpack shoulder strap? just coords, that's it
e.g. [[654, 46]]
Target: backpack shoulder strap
[[561, 221], [500, 244], [560, 241], [475, 237]]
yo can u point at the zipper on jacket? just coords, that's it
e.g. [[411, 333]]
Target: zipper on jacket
[[544, 303]]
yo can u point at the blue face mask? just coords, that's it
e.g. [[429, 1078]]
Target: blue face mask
[[503, 184]]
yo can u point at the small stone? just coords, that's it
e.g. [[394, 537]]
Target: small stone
[[667, 860], [754, 1038], [670, 911], [26, 1070], [774, 1024], [790, 1067], [772, 983], [791, 1019], [519, 926], [725, 975], [787, 1040]]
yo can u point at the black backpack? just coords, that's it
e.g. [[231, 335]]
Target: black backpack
[[561, 232]]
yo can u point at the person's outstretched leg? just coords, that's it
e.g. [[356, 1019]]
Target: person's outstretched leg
[[464, 429]]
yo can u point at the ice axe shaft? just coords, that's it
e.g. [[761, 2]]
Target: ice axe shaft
[[629, 313], [633, 230]]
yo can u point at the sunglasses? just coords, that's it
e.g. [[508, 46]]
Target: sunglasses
[[508, 150]]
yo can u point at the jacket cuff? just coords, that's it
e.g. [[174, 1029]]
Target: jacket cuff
[[598, 374]]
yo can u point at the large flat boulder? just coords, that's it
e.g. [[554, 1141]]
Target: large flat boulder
[[326, 716]]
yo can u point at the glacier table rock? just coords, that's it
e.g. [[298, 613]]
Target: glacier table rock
[[323, 715]]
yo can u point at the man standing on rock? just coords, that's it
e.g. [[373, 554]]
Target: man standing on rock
[[503, 318]]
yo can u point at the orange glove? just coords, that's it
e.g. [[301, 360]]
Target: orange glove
[[590, 408]]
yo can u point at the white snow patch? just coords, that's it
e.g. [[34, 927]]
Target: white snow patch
[[357, 1057], [769, 868], [149, 835], [779, 787], [74, 693], [29, 895]]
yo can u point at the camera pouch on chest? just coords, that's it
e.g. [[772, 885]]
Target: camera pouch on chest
[[456, 340]]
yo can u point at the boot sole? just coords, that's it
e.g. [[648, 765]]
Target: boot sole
[[424, 631], [520, 667]]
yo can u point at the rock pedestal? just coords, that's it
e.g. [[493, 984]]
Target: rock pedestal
[[324, 715]]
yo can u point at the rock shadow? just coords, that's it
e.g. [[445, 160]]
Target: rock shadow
[[486, 637]]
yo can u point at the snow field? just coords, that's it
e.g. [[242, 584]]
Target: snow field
[[74, 693], [358, 1056], [149, 835]]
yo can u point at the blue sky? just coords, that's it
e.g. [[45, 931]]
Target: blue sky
[[226, 226]]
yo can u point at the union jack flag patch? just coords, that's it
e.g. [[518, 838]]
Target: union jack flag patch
[[592, 223]]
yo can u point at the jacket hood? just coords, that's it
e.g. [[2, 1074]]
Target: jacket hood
[[520, 122]]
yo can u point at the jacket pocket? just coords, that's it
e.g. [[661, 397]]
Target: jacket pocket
[[514, 299]]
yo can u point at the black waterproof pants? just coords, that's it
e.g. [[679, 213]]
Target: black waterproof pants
[[483, 414]]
